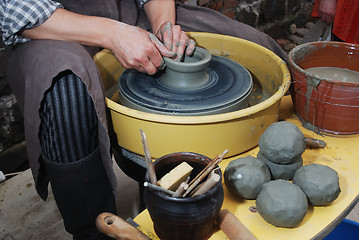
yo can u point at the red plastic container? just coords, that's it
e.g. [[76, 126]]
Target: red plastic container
[[326, 105]]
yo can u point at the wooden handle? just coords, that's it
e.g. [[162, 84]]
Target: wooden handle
[[212, 180], [314, 143], [180, 190], [207, 170], [117, 228], [150, 167], [232, 227]]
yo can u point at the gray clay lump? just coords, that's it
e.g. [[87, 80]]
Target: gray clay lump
[[282, 142], [282, 171], [319, 182], [245, 176], [282, 203]]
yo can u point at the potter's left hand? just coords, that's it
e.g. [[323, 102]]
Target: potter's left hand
[[175, 40]]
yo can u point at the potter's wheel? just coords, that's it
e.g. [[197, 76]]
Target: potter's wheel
[[201, 85]]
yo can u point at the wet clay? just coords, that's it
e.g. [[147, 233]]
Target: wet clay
[[335, 74], [200, 85], [259, 93], [319, 182], [245, 176], [282, 142], [282, 203], [282, 171]]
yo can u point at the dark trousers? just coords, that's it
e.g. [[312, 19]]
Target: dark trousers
[[69, 140]]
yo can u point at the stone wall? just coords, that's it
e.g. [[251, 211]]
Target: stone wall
[[11, 121], [271, 16], [13, 156]]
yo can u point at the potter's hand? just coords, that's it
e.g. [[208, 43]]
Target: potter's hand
[[327, 10], [131, 45], [175, 39], [134, 49]]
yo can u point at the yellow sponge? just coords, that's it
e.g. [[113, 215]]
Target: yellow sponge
[[176, 176]]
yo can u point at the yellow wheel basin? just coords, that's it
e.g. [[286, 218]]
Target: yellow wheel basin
[[237, 131]]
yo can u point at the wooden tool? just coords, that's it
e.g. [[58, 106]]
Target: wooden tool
[[150, 168], [314, 143], [232, 227], [158, 188], [212, 180], [117, 228], [181, 190], [204, 172]]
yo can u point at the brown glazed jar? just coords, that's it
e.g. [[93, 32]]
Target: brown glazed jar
[[186, 218]]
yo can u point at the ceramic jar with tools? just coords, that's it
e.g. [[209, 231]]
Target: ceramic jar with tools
[[183, 217]]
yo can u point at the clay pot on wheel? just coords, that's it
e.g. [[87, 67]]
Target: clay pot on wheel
[[199, 85]]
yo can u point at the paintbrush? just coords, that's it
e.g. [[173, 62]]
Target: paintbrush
[[150, 167], [204, 172], [212, 180]]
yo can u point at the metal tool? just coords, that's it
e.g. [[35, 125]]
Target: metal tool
[[158, 188], [149, 234]]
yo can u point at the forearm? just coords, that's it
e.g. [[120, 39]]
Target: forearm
[[17, 15], [160, 11], [132, 46], [65, 25]]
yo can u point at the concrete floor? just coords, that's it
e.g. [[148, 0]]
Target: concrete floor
[[354, 214], [24, 215]]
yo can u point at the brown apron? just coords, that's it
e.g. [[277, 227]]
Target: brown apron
[[33, 65]]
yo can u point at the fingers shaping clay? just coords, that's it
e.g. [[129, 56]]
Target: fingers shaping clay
[[282, 171], [282, 203], [319, 182], [245, 176], [282, 142]]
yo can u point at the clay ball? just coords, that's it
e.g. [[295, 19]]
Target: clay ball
[[282, 203], [245, 176], [282, 142], [282, 171], [319, 182]]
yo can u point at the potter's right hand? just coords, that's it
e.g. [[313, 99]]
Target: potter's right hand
[[131, 45], [134, 49]]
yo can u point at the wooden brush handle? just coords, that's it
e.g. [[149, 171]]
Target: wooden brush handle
[[117, 228], [314, 143], [232, 227], [212, 180], [150, 167]]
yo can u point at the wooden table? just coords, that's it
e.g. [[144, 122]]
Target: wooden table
[[341, 154]]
